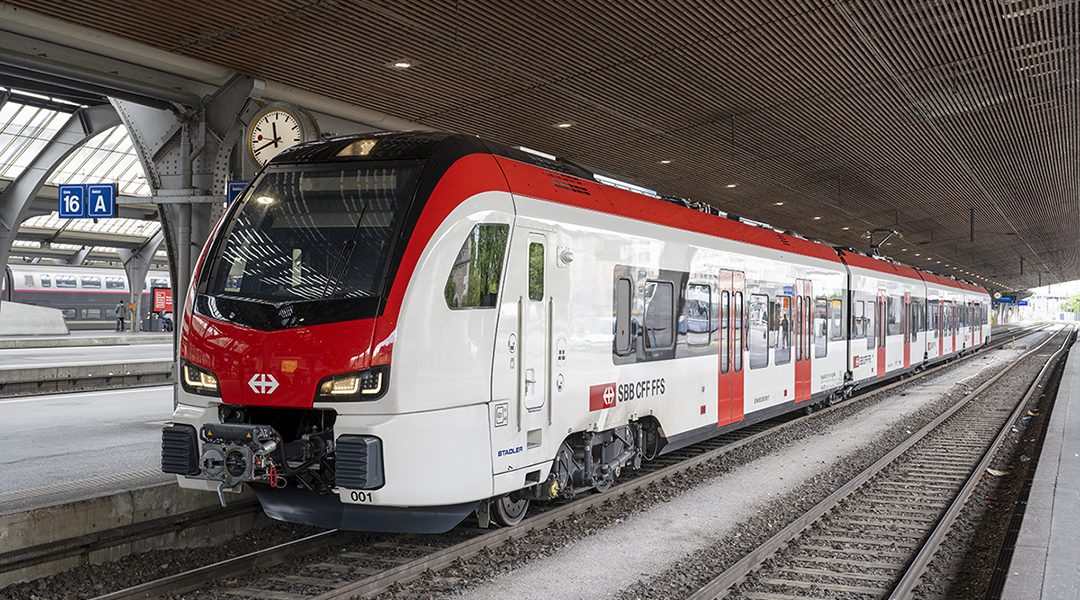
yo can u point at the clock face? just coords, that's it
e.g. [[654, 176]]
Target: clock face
[[273, 131]]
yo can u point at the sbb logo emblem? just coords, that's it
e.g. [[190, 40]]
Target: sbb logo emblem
[[263, 383], [601, 396]]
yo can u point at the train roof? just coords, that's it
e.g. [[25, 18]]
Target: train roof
[[534, 175]]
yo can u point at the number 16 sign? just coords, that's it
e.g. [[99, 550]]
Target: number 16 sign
[[72, 201]]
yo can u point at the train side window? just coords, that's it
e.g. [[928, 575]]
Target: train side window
[[536, 271], [821, 327], [858, 320], [698, 314], [114, 283], [69, 313], [786, 329], [46, 281], [659, 314], [624, 290], [836, 330], [28, 281], [474, 279], [759, 331], [870, 324], [725, 329], [895, 317], [159, 283], [66, 281], [737, 329], [91, 282], [91, 313]]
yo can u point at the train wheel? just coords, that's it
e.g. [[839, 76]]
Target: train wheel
[[510, 512]]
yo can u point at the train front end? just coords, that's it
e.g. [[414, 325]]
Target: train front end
[[286, 381]]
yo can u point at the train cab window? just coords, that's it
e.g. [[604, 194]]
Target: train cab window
[[536, 271], [66, 281], [836, 312], [785, 329], [758, 334], [659, 314], [474, 278], [69, 313], [91, 282], [114, 283], [821, 327], [91, 313], [624, 290], [698, 309], [46, 281]]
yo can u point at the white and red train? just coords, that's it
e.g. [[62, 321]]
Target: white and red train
[[86, 296], [389, 332]]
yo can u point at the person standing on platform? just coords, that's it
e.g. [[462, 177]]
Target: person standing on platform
[[121, 312]]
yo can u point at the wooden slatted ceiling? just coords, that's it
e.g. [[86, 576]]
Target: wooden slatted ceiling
[[870, 114]]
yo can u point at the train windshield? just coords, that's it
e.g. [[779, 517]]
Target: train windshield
[[313, 234]]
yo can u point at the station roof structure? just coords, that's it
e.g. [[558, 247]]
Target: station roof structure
[[28, 121], [952, 123]]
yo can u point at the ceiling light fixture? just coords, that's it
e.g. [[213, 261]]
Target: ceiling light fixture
[[665, 162], [401, 64], [564, 125], [731, 185], [778, 203]]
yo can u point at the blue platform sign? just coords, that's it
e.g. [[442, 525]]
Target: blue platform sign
[[1005, 299], [1022, 303], [72, 201], [101, 200], [234, 188]]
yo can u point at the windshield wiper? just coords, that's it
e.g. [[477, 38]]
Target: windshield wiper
[[336, 274]]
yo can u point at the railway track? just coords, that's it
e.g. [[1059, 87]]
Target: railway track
[[369, 564], [876, 536]]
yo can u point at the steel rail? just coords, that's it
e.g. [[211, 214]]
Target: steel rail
[[906, 587], [717, 588], [193, 579], [381, 582]]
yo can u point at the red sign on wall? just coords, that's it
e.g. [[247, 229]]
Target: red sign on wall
[[162, 299]]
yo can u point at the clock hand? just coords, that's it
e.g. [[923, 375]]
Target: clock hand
[[273, 142]]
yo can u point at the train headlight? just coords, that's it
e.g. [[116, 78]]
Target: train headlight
[[197, 380], [361, 385]]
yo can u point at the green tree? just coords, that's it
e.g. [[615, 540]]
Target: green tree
[[1072, 304]]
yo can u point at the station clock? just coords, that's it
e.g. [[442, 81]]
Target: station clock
[[275, 129]]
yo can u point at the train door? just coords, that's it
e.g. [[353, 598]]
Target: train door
[[803, 323], [881, 330], [906, 327], [535, 329], [972, 313], [951, 309], [940, 308], [732, 290]]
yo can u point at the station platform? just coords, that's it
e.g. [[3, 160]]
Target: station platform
[[84, 338], [1044, 564], [84, 360]]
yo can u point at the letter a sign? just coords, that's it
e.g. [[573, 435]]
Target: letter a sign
[[101, 201]]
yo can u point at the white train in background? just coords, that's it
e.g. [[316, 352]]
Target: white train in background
[[86, 296]]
